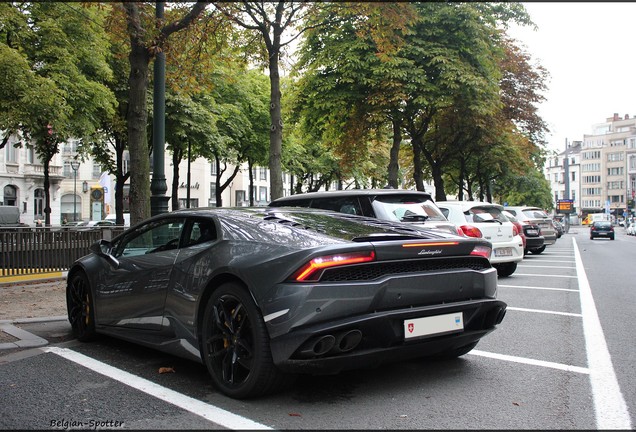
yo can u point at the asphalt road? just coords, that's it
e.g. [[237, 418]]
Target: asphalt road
[[562, 359]]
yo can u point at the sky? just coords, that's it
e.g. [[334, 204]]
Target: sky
[[589, 51]]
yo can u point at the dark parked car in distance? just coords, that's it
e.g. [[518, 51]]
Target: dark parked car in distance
[[601, 229], [529, 232], [259, 294], [398, 205]]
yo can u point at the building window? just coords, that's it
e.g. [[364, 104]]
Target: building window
[[38, 204], [97, 170], [262, 194], [573, 176], [263, 173], [240, 198], [11, 153], [213, 168], [212, 200], [183, 203], [10, 196]]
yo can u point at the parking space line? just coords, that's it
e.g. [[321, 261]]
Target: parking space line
[[209, 412], [537, 288], [529, 361], [543, 311], [545, 275], [544, 266], [609, 403]]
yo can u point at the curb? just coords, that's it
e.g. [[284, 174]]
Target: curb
[[25, 339], [33, 277]]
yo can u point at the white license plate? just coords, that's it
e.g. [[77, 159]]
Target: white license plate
[[532, 232], [503, 252], [433, 325]]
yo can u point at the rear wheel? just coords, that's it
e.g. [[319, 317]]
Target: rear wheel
[[506, 269], [80, 308], [538, 251], [235, 345]]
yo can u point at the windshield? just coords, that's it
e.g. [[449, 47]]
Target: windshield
[[535, 214], [402, 208], [485, 214]]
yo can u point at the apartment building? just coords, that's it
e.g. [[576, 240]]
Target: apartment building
[[605, 169]]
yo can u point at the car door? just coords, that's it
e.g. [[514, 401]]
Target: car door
[[133, 293]]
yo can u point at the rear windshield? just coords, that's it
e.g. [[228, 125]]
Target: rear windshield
[[603, 224], [535, 214], [402, 208], [485, 214]]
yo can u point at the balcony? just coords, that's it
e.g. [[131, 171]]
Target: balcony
[[34, 171]]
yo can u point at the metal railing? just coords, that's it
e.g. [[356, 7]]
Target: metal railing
[[27, 251]]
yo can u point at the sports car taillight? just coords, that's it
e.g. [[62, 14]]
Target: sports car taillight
[[482, 251], [470, 231], [310, 272]]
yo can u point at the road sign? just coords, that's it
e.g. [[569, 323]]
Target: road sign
[[565, 206]]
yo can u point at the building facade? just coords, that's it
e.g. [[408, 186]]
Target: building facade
[[81, 191], [563, 171], [605, 169]]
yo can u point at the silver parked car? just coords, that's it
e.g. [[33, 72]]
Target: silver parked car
[[538, 216]]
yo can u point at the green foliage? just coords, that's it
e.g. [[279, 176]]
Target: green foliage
[[531, 189]]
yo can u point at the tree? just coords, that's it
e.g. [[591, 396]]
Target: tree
[[54, 56], [269, 22], [147, 37]]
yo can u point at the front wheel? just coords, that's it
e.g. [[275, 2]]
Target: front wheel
[[80, 307], [235, 345]]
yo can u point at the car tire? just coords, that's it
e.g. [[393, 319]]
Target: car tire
[[591, 237], [538, 251], [235, 345], [612, 238], [506, 269], [80, 307]]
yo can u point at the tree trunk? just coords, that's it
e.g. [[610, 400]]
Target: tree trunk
[[137, 141], [417, 166], [47, 193], [394, 166], [438, 181], [176, 160], [276, 128]]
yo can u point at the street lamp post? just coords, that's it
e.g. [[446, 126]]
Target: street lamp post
[[75, 165]]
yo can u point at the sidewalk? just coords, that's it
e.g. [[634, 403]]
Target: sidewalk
[[29, 299]]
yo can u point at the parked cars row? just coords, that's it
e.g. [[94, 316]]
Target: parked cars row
[[469, 218]]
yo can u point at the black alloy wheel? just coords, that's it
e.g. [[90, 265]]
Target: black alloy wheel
[[79, 305], [235, 345]]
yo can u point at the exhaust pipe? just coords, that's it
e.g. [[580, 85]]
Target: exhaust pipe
[[318, 346], [346, 341]]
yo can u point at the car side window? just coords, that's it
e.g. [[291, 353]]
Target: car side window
[[349, 205], [201, 231], [152, 237]]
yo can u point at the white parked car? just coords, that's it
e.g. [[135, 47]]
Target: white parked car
[[486, 220]]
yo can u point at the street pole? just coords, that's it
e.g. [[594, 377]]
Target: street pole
[[75, 166], [158, 185]]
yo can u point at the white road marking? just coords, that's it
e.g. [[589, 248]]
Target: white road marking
[[537, 288], [195, 406], [533, 362], [545, 275], [543, 311], [611, 409], [545, 266]]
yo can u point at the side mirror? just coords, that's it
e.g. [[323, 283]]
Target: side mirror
[[102, 248]]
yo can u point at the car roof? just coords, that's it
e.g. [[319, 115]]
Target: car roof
[[469, 204], [351, 192]]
